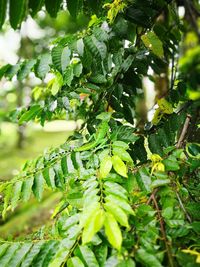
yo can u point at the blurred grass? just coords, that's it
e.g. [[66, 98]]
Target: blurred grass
[[12, 158], [32, 215]]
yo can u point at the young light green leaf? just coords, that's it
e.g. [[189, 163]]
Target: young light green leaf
[[120, 202], [105, 166], [123, 154], [113, 231], [153, 43], [88, 213], [118, 213], [75, 262], [119, 166], [93, 226], [57, 84]]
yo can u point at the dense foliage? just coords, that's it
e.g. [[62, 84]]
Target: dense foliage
[[130, 187]]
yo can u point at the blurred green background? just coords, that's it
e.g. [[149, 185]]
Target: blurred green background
[[21, 143]]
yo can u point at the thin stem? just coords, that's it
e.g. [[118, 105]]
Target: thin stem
[[183, 208], [184, 131], [152, 195], [162, 229]]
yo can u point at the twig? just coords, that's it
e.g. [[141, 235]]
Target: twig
[[184, 131], [162, 229], [183, 208], [152, 195]]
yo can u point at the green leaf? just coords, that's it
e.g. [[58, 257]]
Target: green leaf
[[87, 256], [65, 58], [68, 75], [18, 257], [12, 71], [49, 176], [159, 182], [93, 226], [35, 6], [165, 106], [48, 250], [30, 114], [123, 154], [153, 43], [38, 186], [120, 144], [126, 263], [52, 7], [3, 248], [70, 165], [77, 69], [98, 78], [27, 189], [56, 54], [75, 262], [17, 12], [88, 213], [98, 49], [62, 253], [101, 252], [143, 179], [74, 7], [80, 46], [115, 189], [25, 69], [148, 259], [43, 66], [6, 67], [119, 166], [104, 116], [57, 84], [9, 254], [171, 164], [7, 197], [118, 213], [16, 194], [121, 203], [33, 252], [127, 63], [3, 9], [105, 166], [113, 231]]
